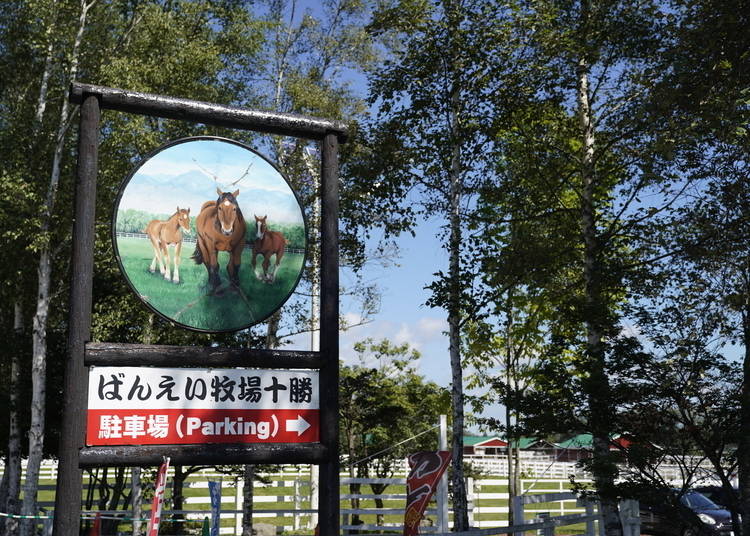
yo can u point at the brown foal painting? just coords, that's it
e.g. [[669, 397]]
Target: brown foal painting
[[267, 243], [164, 234]]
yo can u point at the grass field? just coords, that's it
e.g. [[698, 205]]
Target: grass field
[[190, 302]]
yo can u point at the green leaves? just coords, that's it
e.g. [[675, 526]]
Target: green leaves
[[384, 403]]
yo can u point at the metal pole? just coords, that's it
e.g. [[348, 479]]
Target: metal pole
[[442, 491], [329, 337], [69, 485]]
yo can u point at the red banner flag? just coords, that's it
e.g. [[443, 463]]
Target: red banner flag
[[96, 529], [161, 483], [426, 468]]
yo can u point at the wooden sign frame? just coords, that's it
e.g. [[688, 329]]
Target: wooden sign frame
[[74, 455]]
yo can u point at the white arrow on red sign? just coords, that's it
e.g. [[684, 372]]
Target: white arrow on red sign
[[298, 425]]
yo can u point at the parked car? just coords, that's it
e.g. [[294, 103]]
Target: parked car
[[719, 495], [691, 514]]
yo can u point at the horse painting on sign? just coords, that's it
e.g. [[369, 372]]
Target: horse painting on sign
[[267, 243], [220, 227], [164, 234], [208, 174]]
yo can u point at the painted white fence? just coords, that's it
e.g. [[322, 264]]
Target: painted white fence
[[192, 240]]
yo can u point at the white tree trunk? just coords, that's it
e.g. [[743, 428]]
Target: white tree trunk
[[14, 433], [512, 451], [12, 474], [44, 86], [38, 389], [460, 513], [598, 382], [314, 491], [511, 387], [44, 275]]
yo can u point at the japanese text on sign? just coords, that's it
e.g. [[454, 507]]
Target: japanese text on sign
[[163, 406], [111, 387]]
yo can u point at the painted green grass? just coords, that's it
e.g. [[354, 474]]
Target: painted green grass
[[190, 303]]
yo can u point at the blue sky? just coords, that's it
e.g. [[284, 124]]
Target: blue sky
[[403, 317]]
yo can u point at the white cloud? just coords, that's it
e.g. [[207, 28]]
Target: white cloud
[[425, 334], [406, 335], [419, 334], [430, 327], [352, 319]]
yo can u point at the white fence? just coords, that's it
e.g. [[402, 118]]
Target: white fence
[[489, 502], [531, 468]]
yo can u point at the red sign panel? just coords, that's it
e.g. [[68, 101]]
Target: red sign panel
[[154, 406]]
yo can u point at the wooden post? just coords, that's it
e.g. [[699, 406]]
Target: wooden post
[[547, 530], [329, 337], [208, 113], [69, 486], [470, 500]]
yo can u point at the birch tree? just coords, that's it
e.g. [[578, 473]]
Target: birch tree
[[305, 54], [58, 32], [20, 137], [580, 151], [12, 471], [44, 267], [430, 148], [599, 58]]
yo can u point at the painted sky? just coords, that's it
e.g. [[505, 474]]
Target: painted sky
[[188, 174]]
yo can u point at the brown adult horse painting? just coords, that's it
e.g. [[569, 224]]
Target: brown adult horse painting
[[163, 234], [220, 227], [267, 243]]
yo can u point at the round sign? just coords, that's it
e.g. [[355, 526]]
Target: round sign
[[209, 234]]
